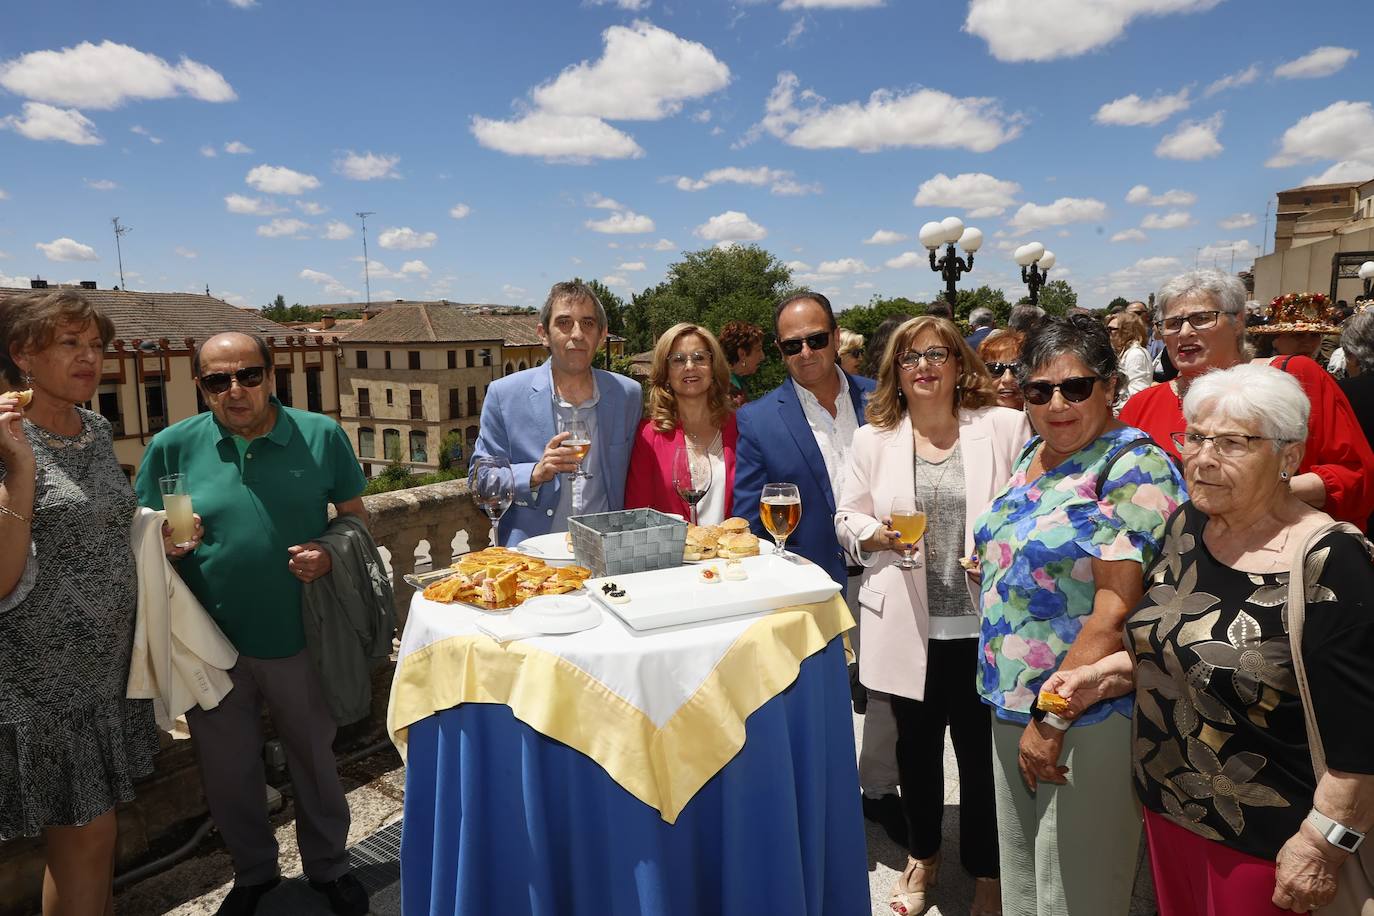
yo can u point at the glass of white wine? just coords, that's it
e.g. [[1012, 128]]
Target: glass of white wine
[[908, 519], [579, 440], [780, 510]]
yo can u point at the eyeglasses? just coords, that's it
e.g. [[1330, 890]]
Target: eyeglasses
[[1228, 445], [219, 382], [700, 358], [793, 346], [935, 356], [1200, 321], [1074, 390], [998, 369]]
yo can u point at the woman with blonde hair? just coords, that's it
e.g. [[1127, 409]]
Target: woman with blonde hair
[[851, 351], [688, 406], [935, 444], [1130, 340]]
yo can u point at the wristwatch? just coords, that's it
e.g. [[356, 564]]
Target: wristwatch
[[1338, 835], [1050, 719]]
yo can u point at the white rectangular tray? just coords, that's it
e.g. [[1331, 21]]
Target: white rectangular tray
[[666, 597]]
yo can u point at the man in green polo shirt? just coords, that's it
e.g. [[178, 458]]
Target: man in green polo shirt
[[261, 478]]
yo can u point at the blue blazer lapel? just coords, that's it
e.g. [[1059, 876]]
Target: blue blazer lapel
[[859, 397], [542, 425], [608, 415], [794, 418]]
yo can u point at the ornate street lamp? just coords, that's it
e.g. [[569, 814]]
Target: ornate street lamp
[[1035, 264], [1367, 275], [949, 232]]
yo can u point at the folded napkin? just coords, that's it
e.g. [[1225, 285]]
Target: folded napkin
[[505, 628]]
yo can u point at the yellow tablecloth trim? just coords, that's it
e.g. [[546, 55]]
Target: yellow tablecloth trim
[[662, 767]]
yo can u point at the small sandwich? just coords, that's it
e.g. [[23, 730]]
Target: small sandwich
[[734, 525], [24, 397], [701, 544], [1052, 702], [739, 544]]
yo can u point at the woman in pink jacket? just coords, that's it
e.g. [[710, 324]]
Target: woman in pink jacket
[[934, 438], [689, 403]]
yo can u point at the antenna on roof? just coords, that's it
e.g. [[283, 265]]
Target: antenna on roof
[[118, 231], [367, 273]]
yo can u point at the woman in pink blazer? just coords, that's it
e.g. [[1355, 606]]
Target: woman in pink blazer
[[689, 402], [932, 436]]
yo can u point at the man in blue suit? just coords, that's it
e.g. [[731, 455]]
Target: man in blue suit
[[522, 412], [800, 432]]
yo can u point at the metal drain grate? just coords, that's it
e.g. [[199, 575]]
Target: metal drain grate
[[376, 863]]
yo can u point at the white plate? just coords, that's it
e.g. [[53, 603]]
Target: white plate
[[556, 614], [666, 597], [551, 548]]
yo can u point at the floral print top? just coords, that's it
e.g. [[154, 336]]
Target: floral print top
[[1036, 543], [1220, 742]]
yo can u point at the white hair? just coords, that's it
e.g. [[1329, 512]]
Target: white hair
[[1258, 397], [1223, 289]]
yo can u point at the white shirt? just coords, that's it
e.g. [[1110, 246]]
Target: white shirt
[[711, 509], [834, 435]]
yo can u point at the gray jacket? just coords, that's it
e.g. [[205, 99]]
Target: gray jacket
[[350, 618]]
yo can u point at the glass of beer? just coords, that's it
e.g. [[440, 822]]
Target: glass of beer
[[579, 440], [176, 500], [780, 510], [908, 519]]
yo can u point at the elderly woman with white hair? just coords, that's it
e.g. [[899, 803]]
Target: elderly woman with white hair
[[1357, 343], [1238, 816], [1201, 317]]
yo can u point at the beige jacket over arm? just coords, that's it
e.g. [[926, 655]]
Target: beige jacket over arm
[[892, 601]]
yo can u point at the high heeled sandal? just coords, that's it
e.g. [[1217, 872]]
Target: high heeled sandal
[[987, 897], [908, 897]]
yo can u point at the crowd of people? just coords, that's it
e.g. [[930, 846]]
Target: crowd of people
[[1138, 599]]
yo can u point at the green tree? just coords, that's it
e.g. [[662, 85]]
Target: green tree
[[280, 311], [1057, 297], [451, 451], [864, 319], [1118, 301], [984, 296], [614, 305]]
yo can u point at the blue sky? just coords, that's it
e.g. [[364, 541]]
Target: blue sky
[[504, 146]]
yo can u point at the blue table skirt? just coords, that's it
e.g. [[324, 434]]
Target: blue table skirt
[[500, 819]]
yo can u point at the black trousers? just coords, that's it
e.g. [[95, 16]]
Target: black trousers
[[951, 700]]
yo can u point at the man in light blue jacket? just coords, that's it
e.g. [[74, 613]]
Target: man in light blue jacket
[[524, 413]]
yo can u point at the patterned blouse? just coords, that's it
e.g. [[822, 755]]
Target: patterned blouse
[[1036, 544], [1220, 739]]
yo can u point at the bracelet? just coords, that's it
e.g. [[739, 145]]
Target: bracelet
[[5, 510]]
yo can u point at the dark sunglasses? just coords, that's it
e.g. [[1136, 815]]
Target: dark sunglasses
[[794, 346], [1074, 389], [999, 369], [219, 382]]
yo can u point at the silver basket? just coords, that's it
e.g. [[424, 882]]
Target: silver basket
[[629, 541]]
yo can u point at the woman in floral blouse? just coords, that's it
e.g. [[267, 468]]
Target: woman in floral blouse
[[1221, 753], [1062, 550]]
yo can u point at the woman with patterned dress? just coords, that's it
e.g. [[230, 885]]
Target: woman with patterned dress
[[1221, 756], [71, 745], [1062, 549]]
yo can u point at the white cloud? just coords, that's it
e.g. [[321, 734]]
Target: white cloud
[[920, 118], [843, 266], [885, 237], [144, 132], [730, 226], [44, 122], [366, 166], [621, 222], [829, 4], [864, 284], [1342, 131], [277, 179], [404, 238], [237, 148], [1133, 111], [1063, 211], [337, 230], [905, 260], [512, 291], [1134, 281], [459, 211], [1193, 140], [1129, 235], [416, 268], [243, 4], [644, 74], [311, 208], [100, 184], [250, 206], [208, 151], [1140, 194], [796, 266], [65, 249], [603, 203], [976, 192], [703, 116], [630, 5], [280, 227], [1243, 249], [330, 285], [183, 252], [559, 138], [660, 245], [630, 266], [1062, 28], [1319, 62], [782, 181], [1232, 80], [1238, 221], [8, 282], [1174, 219], [107, 75], [615, 280], [790, 188]]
